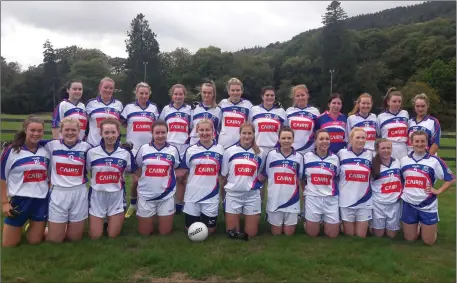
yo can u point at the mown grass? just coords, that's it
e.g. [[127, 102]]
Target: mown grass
[[174, 258]]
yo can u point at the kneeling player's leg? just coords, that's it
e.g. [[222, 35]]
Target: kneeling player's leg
[[233, 210], [379, 219], [39, 214], [192, 214], [145, 215], [166, 212], [78, 215], [276, 220], [393, 219], [98, 209], [313, 207], [290, 222], [363, 217], [209, 212], [429, 226], [252, 208], [410, 221], [331, 217], [12, 227], [348, 217], [59, 205], [115, 213]]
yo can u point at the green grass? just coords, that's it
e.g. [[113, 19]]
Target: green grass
[[174, 258]]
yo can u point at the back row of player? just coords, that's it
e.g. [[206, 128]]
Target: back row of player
[[227, 116]]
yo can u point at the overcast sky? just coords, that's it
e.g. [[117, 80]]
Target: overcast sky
[[229, 25]]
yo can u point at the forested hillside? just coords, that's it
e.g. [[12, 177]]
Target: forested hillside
[[411, 48]]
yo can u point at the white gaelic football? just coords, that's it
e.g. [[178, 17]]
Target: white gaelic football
[[197, 232]]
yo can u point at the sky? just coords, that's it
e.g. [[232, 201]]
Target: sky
[[231, 26]]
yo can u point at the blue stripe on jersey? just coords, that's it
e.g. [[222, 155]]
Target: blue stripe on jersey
[[320, 164], [181, 115], [386, 173], [207, 154], [73, 111], [169, 189], [31, 160], [104, 161], [268, 116], [448, 175], [207, 115], [366, 197], [394, 120], [364, 161], [160, 156], [248, 156], [5, 155], [237, 109], [141, 114], [213, 193], [292, 165], [103, 110], [428, 201], [293, 199], [420, 168], [366, 123], [66, 153], [301, 114]]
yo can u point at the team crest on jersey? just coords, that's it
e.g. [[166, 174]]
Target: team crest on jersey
[[81, 155], [120, 162], [331, 166], [367, 124], [367, 162], [243, 110], [169, 157], [425, 169]]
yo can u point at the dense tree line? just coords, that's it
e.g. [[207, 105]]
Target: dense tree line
[[411, 48]]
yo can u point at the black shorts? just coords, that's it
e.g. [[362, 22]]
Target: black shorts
[[210, 222]]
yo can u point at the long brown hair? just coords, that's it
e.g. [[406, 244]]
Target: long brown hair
[[390, 92], [376, 163], [254, 145], [19, 137], [355, 110]]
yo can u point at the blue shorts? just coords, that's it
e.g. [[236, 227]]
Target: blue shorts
[[412, 215], [35, 209]]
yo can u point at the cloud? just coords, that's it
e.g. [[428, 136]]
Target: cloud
[[226, 24]]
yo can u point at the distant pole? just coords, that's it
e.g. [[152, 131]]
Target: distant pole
[[145, 64], [331, 80]]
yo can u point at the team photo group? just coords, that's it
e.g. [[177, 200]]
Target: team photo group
[[353, 174]]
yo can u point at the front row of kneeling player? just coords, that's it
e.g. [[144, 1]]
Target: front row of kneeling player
[[352, 187]]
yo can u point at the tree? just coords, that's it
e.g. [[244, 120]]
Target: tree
[[143, 57], [50, 74]]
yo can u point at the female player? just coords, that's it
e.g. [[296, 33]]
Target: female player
[[206, 109], [68, 201], [420, 204], [334, 122], [354, 185], [24, 184], [138, 117], [321, 167], [107, 164], [426, 123], [393, 123], [387, 186], [203, 162], [101, 107], [178, 119], [361, 117], [156, 163], [241, 165], [283, 169], [267, 120], [301, 118], [71, 106], [235, 111]]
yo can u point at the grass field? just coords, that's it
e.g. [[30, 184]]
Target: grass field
[[173, 258]]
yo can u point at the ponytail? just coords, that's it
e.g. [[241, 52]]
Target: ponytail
[[19, 137]]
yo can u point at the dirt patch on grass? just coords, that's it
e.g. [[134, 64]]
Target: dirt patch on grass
[[184, 278]]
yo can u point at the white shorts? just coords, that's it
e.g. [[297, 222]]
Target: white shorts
[[386, 216], [68, 204], [197, 209], [147, 209], [349, 214], [322, 208], [399, 150], [280, 218], [103, 204], [181, 148], [247, 204]]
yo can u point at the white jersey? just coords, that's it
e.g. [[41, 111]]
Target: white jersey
[[241, 167], [204, 166], [393, 127], [68, 109], [369, 124], [158, 178], [108, 170], [387, 187], [321, 174], [284, 174], [354, 179], [26, 172], [139, 123], [202, 112], [99, 111], [178, 121], [430, 125], [68, 164], [267, 124], [233, 115], [418, 175], [302, 121]]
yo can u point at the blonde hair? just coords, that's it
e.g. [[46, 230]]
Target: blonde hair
[[254, 145], [213, 86], [105, 79], [354, 130], [172, 89], [141, 84], [69, 120], [206, 121], [234, 81], [421, 96], [298, 87], [355, 110]]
